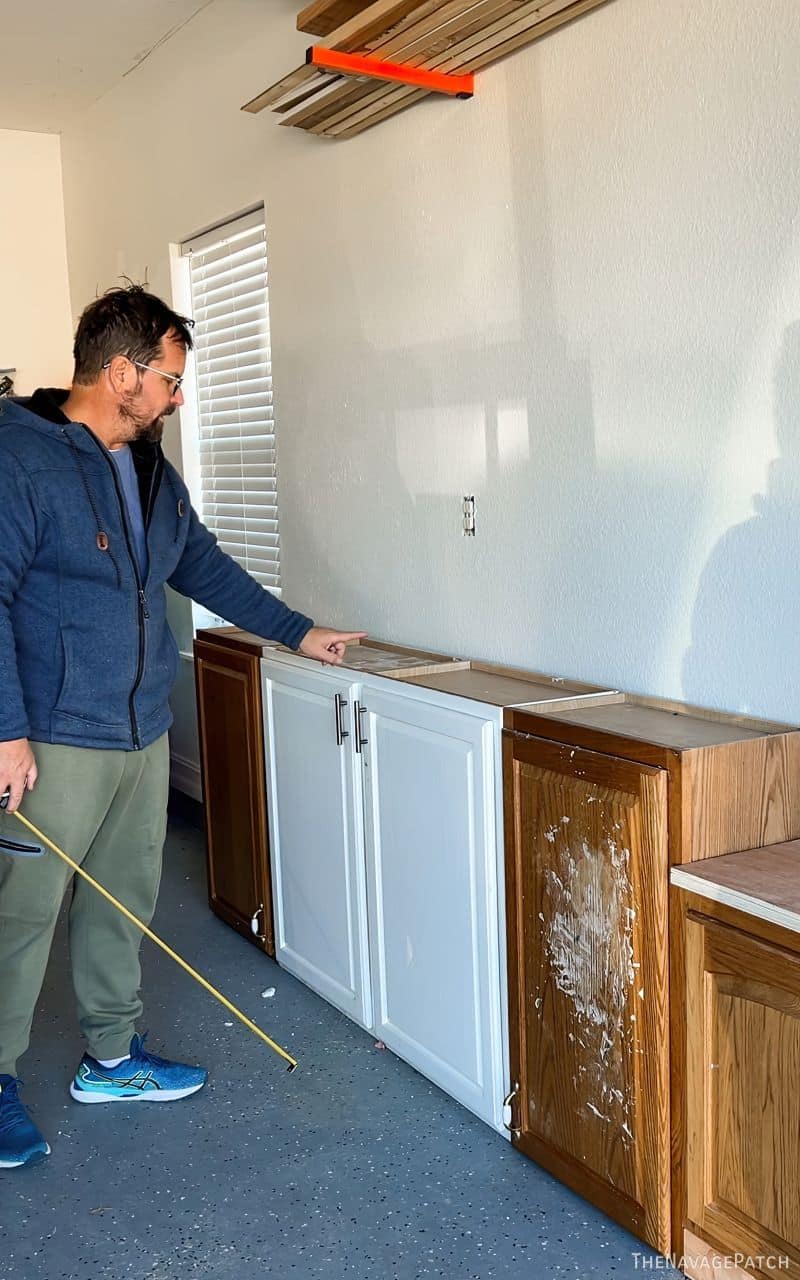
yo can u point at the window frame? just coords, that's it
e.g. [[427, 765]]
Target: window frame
[[189, 416]]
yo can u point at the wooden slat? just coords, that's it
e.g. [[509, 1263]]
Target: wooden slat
[[461, 35], [558, 15], [469, 41], [359, 21], [384, 30], [372, 117], [415, 45], [317, 88], [474, 44], [294, 80], [354, 36], [324, 16], [491, 50]]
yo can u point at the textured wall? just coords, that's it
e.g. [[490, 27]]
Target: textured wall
[[576, 296]]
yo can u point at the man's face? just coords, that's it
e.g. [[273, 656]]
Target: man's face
[[154, 398]]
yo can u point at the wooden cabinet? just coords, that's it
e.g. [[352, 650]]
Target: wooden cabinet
[[743, 1101], [228, 680], [739, 917], [599, 802], [586, 883], [315, 808]]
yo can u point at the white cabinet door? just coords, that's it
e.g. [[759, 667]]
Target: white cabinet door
[[432, 891], [316, 834]]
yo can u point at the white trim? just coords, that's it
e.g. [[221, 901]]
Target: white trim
[[229, 228], [735, 898], [187, 414], [184, 775]]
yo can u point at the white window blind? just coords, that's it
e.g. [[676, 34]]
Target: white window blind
[[230, 306]]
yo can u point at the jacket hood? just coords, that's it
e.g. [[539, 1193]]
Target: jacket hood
[[46, 403], [43, 410]]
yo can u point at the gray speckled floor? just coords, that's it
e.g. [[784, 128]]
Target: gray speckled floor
[[354, 1166]]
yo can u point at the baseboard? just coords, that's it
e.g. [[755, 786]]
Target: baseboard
[[184, 775]]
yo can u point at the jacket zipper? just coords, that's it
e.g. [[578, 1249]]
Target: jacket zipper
[[142, 613]]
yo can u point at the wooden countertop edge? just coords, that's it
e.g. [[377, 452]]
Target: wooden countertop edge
[[747, 903]]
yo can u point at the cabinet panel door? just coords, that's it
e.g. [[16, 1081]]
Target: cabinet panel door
[[316, 831], [231, 751], [432, 874], [587, 882], [743, 1103]]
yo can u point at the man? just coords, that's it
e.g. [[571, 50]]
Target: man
[[93, 522]]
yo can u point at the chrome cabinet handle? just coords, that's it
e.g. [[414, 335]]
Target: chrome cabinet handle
[[340, 705], [358, 712]]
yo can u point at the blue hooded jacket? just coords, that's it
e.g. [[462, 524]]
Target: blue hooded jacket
[[86, 655]]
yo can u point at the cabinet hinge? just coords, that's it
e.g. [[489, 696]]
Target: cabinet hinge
[[508, 1110], [255, 927]]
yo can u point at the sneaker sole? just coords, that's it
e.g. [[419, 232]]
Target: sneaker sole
[[150, 1095], [36, 1158]]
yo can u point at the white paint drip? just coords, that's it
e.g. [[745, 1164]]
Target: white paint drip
[[588, 940], [591, 1107]]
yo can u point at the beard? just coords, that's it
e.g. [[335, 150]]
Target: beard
[[145, 429]]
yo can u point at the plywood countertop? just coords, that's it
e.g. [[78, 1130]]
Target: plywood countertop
[[672, 725], [761, 882], [485, 682], [505, 687]]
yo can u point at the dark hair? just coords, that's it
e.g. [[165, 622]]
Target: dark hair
[[125, 322]]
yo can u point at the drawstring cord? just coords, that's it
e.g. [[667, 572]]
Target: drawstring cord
[[102, 537]]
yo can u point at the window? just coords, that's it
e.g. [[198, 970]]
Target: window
[[234, 473]]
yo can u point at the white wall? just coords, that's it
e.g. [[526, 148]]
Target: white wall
[[577, 296], [35, 319]]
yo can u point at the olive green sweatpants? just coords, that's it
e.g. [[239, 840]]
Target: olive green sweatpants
[[108, 811]]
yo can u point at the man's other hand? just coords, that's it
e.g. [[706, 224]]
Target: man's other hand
[[18, 771]]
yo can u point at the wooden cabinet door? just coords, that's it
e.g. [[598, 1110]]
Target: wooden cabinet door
[[231, 754], [743, 1094], [586, 895], [316, 832], [432, 884]]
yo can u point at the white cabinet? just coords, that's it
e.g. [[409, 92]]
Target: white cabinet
[[385, 865], [316, 833], [432, 891]]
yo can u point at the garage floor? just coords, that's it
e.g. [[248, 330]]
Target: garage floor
[[354, 1166]]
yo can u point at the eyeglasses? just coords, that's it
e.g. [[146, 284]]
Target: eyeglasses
[[176, 383]]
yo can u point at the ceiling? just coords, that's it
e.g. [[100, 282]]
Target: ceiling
[[60, 58]]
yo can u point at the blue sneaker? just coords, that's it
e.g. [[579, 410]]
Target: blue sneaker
[[140, 1078], [20, 1140]]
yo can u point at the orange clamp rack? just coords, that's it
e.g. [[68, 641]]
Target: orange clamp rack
[[353, 64]]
